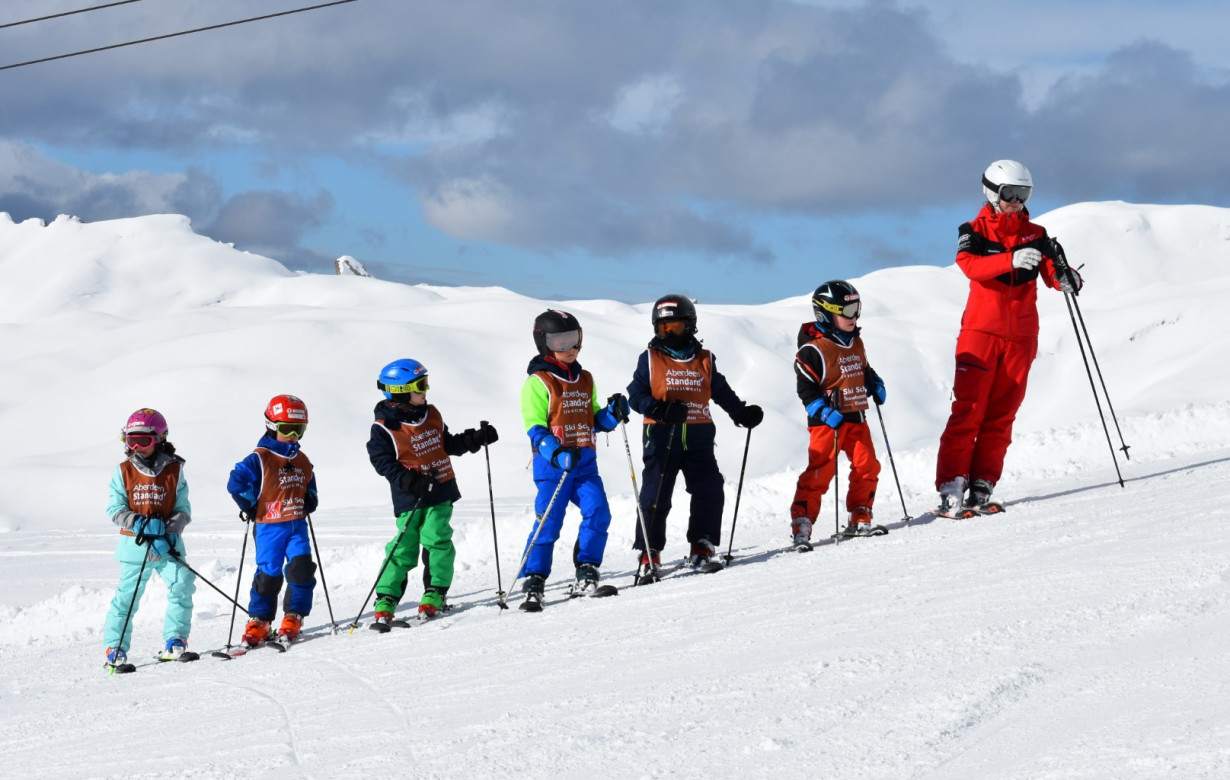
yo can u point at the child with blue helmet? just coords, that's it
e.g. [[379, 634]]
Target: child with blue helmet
[[412, 448]]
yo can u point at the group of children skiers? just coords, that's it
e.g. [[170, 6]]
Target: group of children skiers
[[674, 382]]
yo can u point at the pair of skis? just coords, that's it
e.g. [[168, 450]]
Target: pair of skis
[[126, 667], [847, 533], [600, 592], [712, 567], [970, 510]]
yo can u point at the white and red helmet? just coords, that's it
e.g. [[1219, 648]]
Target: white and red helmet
[[285, 409]]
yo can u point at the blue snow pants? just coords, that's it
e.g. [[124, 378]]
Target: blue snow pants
[[180, 582], [582, 486], [277, 544]]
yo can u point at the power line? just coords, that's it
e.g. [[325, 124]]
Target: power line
[[176, 34], [67, 13]]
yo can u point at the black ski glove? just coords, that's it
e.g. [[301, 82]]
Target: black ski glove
[[672, 412], [417, 484], [749, 416], [475, 438]]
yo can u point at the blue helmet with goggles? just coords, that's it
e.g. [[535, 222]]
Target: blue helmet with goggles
[[402, 377]]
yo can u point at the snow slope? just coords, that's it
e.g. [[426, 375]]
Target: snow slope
[[1081, 635]]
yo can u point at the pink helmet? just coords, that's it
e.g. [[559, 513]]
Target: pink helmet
[[146, 421]]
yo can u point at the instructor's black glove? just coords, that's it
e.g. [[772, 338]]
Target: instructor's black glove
[[417, 484]]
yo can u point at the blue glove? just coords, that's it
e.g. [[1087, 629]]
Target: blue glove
[[148, 528], [824, 414], [162, 545], [559, 456], [617, 405], [875, 387]]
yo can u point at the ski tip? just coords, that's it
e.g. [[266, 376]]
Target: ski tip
[[712, 567], [188, 656], [382, 628], [529, 606], [225, 656], [602, 591]]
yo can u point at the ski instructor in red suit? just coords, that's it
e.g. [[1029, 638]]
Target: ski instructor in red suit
[[1003, 254]]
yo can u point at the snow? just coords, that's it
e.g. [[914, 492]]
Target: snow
[[1080, 635]]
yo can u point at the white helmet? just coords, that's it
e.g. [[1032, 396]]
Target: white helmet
[[1006, 173]]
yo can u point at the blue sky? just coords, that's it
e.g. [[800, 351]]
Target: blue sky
[[736, 150]]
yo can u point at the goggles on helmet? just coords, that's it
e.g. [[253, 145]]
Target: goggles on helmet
[[417, 386], [290, 429], [562, 342], [675, 327], [849, 311], [139, 441], [1014, 193]]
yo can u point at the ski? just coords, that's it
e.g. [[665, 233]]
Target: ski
[[803, 547], [242, 649], [682, 570], [600, 592], [185, 657], [875, 530], [966, 512]]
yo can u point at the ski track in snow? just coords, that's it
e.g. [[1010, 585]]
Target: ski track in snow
[[1080, 635]]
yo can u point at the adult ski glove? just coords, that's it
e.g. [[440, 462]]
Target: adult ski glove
[[1070, 282], [617, 405], [820, 413], [749, 416], [672, 412], [1026, 259], [417, 484]]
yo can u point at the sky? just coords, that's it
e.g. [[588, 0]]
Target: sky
[[1081, 635], [737, 151]]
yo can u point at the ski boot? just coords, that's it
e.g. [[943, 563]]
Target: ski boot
[[533, 587], [255, 632], [586, 582], [650, 567], [292, 622]]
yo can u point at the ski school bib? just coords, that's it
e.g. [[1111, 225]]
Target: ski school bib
[[151, 495], [570, 411], [284, 484], [683, 380], [421, 446], [844, 371]]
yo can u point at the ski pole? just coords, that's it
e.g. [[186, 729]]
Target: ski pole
[[388, 557], [542, 519], [883, 430], [738, 493], [230, 632], [180, 559], [320, 562], [499, 581], [140, 540], [836, 487], [1074, 313], [653, 510], [636, 491]]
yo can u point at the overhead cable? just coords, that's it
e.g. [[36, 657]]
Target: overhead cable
[[67, 13], [175, 34]]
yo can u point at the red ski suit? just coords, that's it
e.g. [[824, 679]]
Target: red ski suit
[[826, 365], [997, 343]]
